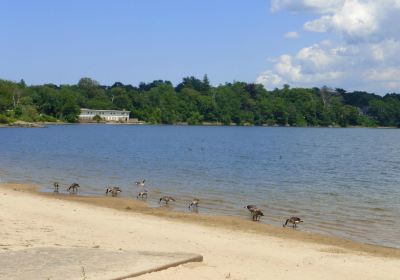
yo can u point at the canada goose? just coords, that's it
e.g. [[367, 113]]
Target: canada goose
[[73, 188], [56, 187], [256, 213], [166, 199], [250, 208], [142, 195], [113, 190], [140, 183], [294, 221], [194, 203]]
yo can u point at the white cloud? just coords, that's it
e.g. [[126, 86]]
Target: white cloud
[[269, 78], [355, 20], [319, 6], [364, 57], [384, 75], [292, 35], [315, 64]]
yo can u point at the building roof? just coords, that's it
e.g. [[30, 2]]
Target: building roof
[[103, 110]]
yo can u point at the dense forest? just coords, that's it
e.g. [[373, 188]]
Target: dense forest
[[195, 101]]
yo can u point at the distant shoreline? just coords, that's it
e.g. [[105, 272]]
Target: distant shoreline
[[22, 124]]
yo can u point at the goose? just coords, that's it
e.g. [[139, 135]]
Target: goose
[[113, 190], [250, 208], [294, 221], [140, 183], [73, 188], [142, 195], [257, 213], [56, 187], [194, 203], [166, 199]]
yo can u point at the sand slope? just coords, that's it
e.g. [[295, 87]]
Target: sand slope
[[28, 220]]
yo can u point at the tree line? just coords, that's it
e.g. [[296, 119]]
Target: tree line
[[194, 101]]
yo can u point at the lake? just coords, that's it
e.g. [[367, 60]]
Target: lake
[[341, 182]]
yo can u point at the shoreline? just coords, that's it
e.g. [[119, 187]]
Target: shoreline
[[21, 124], [131, 205], [34, 222]]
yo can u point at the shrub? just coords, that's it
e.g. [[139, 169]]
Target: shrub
[[47, 118], [4, 119], [195, 119], [97, 118]]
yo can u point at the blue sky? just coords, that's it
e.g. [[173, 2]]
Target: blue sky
[[142, 40]]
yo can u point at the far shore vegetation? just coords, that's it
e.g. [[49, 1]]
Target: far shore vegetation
[[194, 101]]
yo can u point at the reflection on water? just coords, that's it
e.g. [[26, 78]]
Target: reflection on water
[[341, 182]]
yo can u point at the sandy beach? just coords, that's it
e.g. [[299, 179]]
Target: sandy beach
[[232, 248]]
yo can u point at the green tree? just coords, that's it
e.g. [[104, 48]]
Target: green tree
[[97, 118]]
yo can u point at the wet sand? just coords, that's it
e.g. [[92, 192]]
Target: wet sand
[[233, 248]]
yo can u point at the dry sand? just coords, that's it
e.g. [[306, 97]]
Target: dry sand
[[232, 248]]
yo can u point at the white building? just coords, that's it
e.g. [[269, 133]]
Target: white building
[[106, 115]]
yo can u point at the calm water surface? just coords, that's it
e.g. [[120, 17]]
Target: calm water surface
[[342, 182]]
